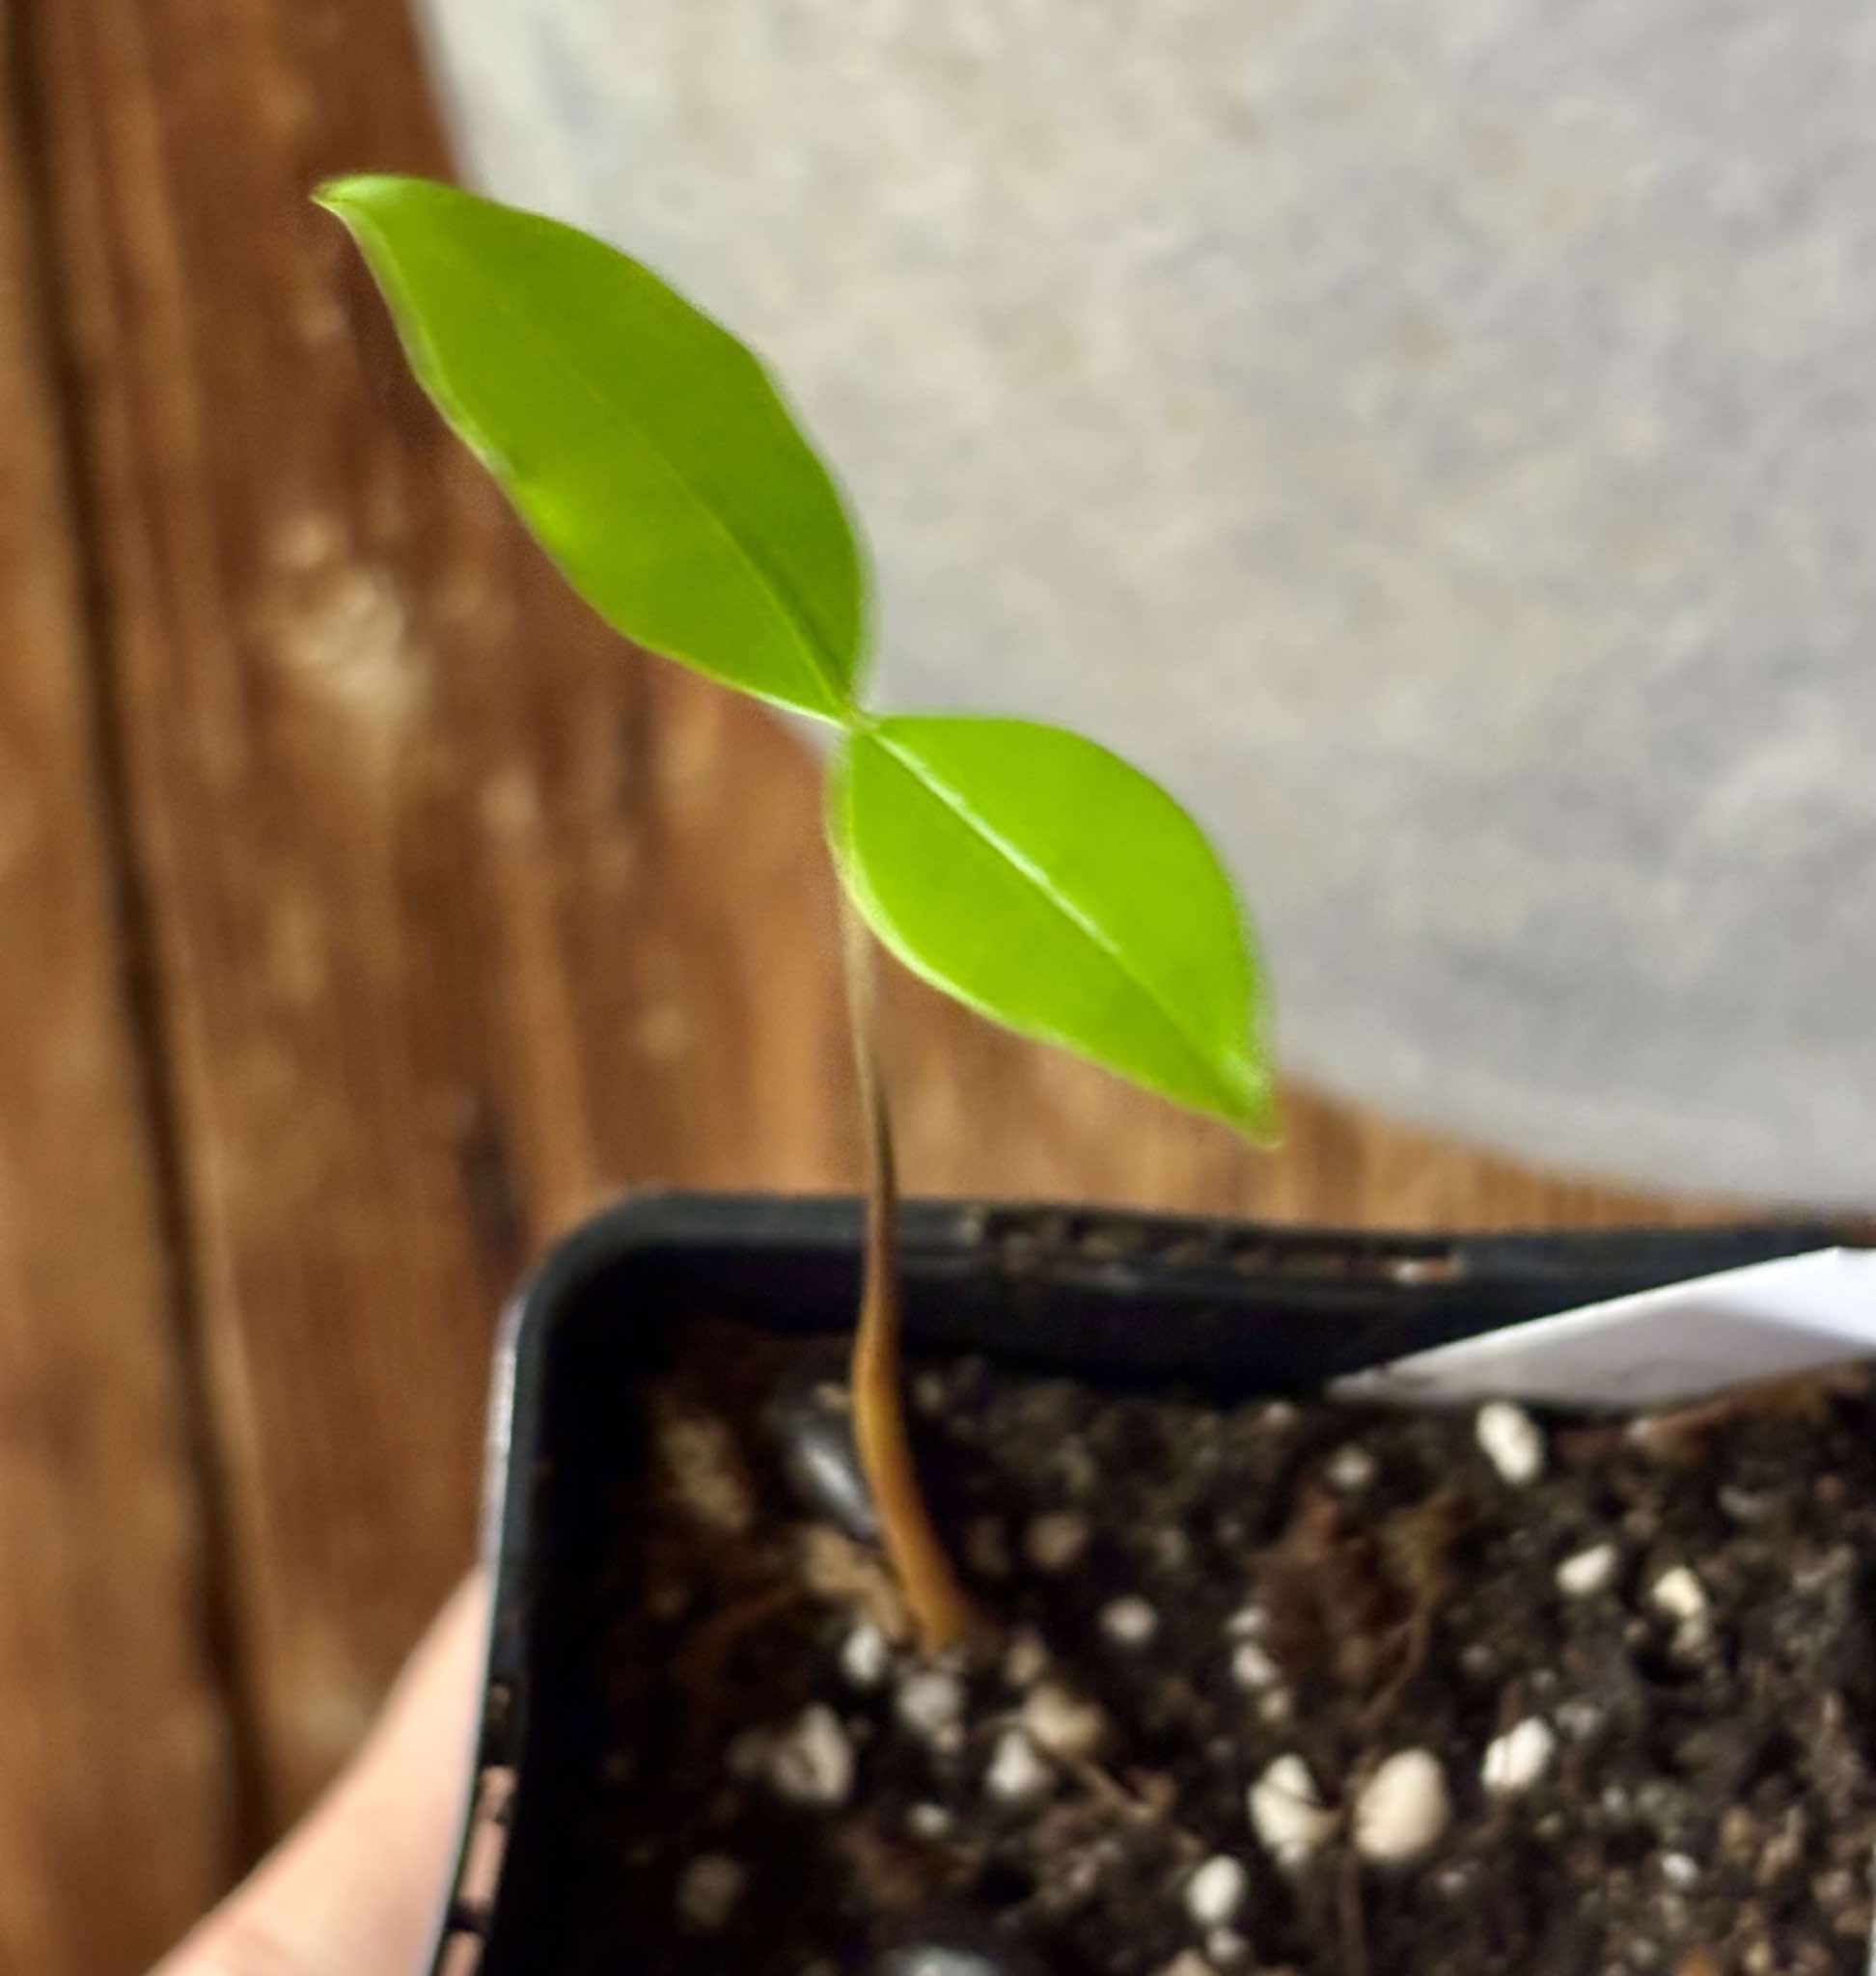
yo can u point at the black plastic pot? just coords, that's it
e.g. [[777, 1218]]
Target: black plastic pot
[[1112, 1297]]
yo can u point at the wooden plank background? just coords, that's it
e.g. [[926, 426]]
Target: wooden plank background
[[368, 916]]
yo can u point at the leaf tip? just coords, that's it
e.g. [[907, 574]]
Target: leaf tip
[[355, 192], [1258, 1113], [337, 195]]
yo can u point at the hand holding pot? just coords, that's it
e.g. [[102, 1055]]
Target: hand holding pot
[[353, 1889]]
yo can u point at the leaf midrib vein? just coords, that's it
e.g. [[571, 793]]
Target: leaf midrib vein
[[820, 661], [960, 807]]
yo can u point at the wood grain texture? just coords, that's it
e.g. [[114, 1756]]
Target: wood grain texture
[[465, 917], [462, 916], [115, 1775]]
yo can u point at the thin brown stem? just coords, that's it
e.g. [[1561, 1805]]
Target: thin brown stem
[[940, 1611]]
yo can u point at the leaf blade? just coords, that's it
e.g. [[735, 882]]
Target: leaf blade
[[1051, 885], [646, 448]]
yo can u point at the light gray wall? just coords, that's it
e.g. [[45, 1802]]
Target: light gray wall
[[1439, 440]]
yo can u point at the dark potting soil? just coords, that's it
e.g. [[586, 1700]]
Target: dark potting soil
[[1265, 1687]]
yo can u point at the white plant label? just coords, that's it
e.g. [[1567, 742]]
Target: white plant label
[[1683, 1341]]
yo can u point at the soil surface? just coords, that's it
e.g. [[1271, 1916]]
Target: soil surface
[[1264, 1688]]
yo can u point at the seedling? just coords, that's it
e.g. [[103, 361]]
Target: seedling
[[1021, 869]]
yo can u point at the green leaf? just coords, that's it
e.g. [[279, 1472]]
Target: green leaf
[[646, 448], [1058, 890]]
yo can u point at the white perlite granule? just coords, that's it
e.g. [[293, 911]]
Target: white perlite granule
[[1402, 1809], [929, 1822], [1351, 1470], [865, 1656], [1016, 1773], [1680, 1595], [1512, 1441], [704, 1470], [1216, 1893], [1287, 1813], [1188, 1963], [1586, 1573], [930, 1703], [1249, 1622], [1063, 1724], [1129, 1622], [1252, 1668], [810, 1763], [1517, 1759]]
